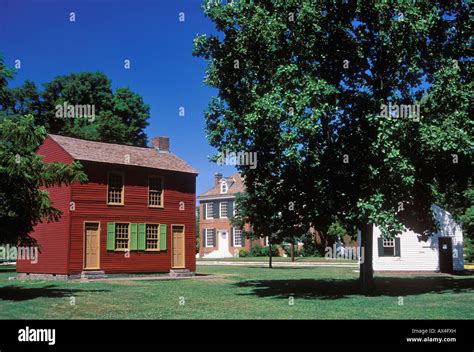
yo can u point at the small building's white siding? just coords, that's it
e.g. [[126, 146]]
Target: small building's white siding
[[419, 255]]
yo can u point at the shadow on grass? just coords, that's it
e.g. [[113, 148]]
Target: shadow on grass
[[300, 267], [336, 289], [18, 293], [5, 269]]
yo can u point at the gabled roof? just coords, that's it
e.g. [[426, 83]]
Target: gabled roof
[[110, 153], [235, 185]]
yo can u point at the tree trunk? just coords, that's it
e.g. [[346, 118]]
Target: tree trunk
[[366, 268], [270, 252], [292, 251]]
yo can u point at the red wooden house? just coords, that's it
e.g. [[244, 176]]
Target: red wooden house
[[136, 213]]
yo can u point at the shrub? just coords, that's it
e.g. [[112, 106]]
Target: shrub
[[265, 251], [297, 252], [256, 251], [309, 252], [243, 253], [259, 251]]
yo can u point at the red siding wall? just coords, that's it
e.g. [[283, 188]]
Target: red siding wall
[[90, 203], [52, 237]]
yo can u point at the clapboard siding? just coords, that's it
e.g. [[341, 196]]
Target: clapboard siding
[[62, 242], [90, 204], [52, 237], [419, 255]]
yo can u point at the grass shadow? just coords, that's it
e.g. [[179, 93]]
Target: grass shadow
[[7, 269], [18, 293], [343, 288]]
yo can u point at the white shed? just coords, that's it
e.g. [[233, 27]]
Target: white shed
[[410, 251]]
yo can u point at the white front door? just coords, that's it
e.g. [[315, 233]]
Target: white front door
[[224, 243], [222, 250]]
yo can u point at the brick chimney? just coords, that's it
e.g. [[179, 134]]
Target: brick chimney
[[217, 178], [162, 144]]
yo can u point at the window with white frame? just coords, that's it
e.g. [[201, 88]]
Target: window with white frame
[[155, 191], [210, 238], [234, 210], [223, 210], [152, 236], [224, 187], [389, 246], [115, 188], [121, 236], [237, 237], [209, 211], [266, 241]]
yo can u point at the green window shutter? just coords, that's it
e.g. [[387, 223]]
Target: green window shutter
[[215, 209], [231, 237], [380, 245], [230, 209], [243, 238], [397, 247], [111, 236], [141, 237], [203, 238], [163, 237], [214, 235], [133, 237]]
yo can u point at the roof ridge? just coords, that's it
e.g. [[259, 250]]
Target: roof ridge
[[237, 185], [100, 142], [103, 152]]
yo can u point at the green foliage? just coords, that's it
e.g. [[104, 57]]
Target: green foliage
[[336, 230], [468, 249], [23, 175], [266, 251], [303, 252], [243, 253], [261, 251], [310, 248], [6, 73], [307, 94], [256, 251], [120, 116]]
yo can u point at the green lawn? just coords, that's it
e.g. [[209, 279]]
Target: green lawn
[[243, 293], [276, 259]]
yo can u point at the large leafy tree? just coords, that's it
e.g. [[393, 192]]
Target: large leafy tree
[[6, 74], [24, 177], [120, 116], [304, 85]]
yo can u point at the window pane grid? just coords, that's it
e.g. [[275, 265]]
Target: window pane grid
[[115, 189], [209, 238], [121, 236], [237, 237], [152, 236], [209, 211], [155, 191], [223, 209], [389, 243]]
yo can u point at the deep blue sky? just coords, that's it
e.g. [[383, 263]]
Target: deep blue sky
[[106, 32]]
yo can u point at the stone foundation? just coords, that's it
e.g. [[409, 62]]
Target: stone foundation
[[34, 276], [180, 273]]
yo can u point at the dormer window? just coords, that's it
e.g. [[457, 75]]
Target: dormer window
[[224, 187]]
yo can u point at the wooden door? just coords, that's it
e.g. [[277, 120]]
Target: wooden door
[[445, 247], [178, 246], [91, 245]]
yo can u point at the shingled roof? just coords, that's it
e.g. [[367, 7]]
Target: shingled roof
[[110, 153], [235, 184]]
